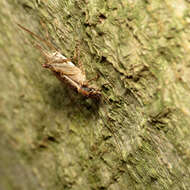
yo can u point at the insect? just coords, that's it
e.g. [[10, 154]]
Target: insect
[[64, 69]]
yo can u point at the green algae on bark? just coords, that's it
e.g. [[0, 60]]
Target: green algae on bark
[[61, 141]]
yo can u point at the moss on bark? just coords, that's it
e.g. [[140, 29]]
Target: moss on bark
[[137, 137]]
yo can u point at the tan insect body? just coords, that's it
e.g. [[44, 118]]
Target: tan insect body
[[64, 69]]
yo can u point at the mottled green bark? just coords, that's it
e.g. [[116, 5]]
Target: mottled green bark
[[138, 137]]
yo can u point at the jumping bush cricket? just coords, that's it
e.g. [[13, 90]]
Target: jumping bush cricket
[[64, 69]]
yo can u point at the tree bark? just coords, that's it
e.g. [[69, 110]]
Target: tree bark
[[137, 136]]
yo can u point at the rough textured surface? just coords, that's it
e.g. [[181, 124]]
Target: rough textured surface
[[138, 137]]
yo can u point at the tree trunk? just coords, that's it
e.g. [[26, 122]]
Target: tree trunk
[[137, 136]]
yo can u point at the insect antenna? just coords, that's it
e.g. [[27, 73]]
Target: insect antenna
[[39, 38], [42, 50]]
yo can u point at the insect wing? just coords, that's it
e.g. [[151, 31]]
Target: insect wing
[[71, 71]]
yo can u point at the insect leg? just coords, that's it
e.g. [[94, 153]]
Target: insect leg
[[95, 78], [45, 28], [77, 57]]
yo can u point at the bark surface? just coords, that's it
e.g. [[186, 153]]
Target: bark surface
[[137, 137]]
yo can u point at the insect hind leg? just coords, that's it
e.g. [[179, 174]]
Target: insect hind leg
[[76, 57], [48, 38]]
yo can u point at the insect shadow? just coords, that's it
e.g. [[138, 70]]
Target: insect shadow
[[60, 97]]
